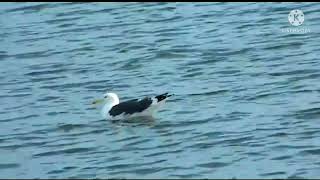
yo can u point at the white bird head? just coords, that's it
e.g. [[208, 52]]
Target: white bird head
[[111, 97], [108, 98]]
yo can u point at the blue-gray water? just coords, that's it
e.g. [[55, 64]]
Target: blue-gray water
[[247, 92]]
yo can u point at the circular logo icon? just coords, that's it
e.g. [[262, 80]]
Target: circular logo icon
[[296, 17]]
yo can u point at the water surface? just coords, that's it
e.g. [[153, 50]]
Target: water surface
[[247, 93]]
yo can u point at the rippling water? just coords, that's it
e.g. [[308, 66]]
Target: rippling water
[[247, 93]]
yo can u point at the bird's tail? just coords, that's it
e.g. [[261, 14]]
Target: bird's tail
[[163, 96]]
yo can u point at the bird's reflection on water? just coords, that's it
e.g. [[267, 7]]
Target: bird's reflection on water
[[136, 121]]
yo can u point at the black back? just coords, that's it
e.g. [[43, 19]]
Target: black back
[[131, 106]]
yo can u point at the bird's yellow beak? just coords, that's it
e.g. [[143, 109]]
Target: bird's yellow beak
[[98, 101]]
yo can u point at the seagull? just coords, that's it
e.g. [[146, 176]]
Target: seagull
[[113, 109]]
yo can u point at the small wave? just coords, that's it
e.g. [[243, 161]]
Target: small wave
[[310, 113], [8, 165], [213, 165], [65, 151], [273, 173], [19, 118], [32, 8], [209, 93], [315, 152], [280, 158]]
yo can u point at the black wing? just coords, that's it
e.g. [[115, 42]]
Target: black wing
[[131, 106], [163, 96]]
